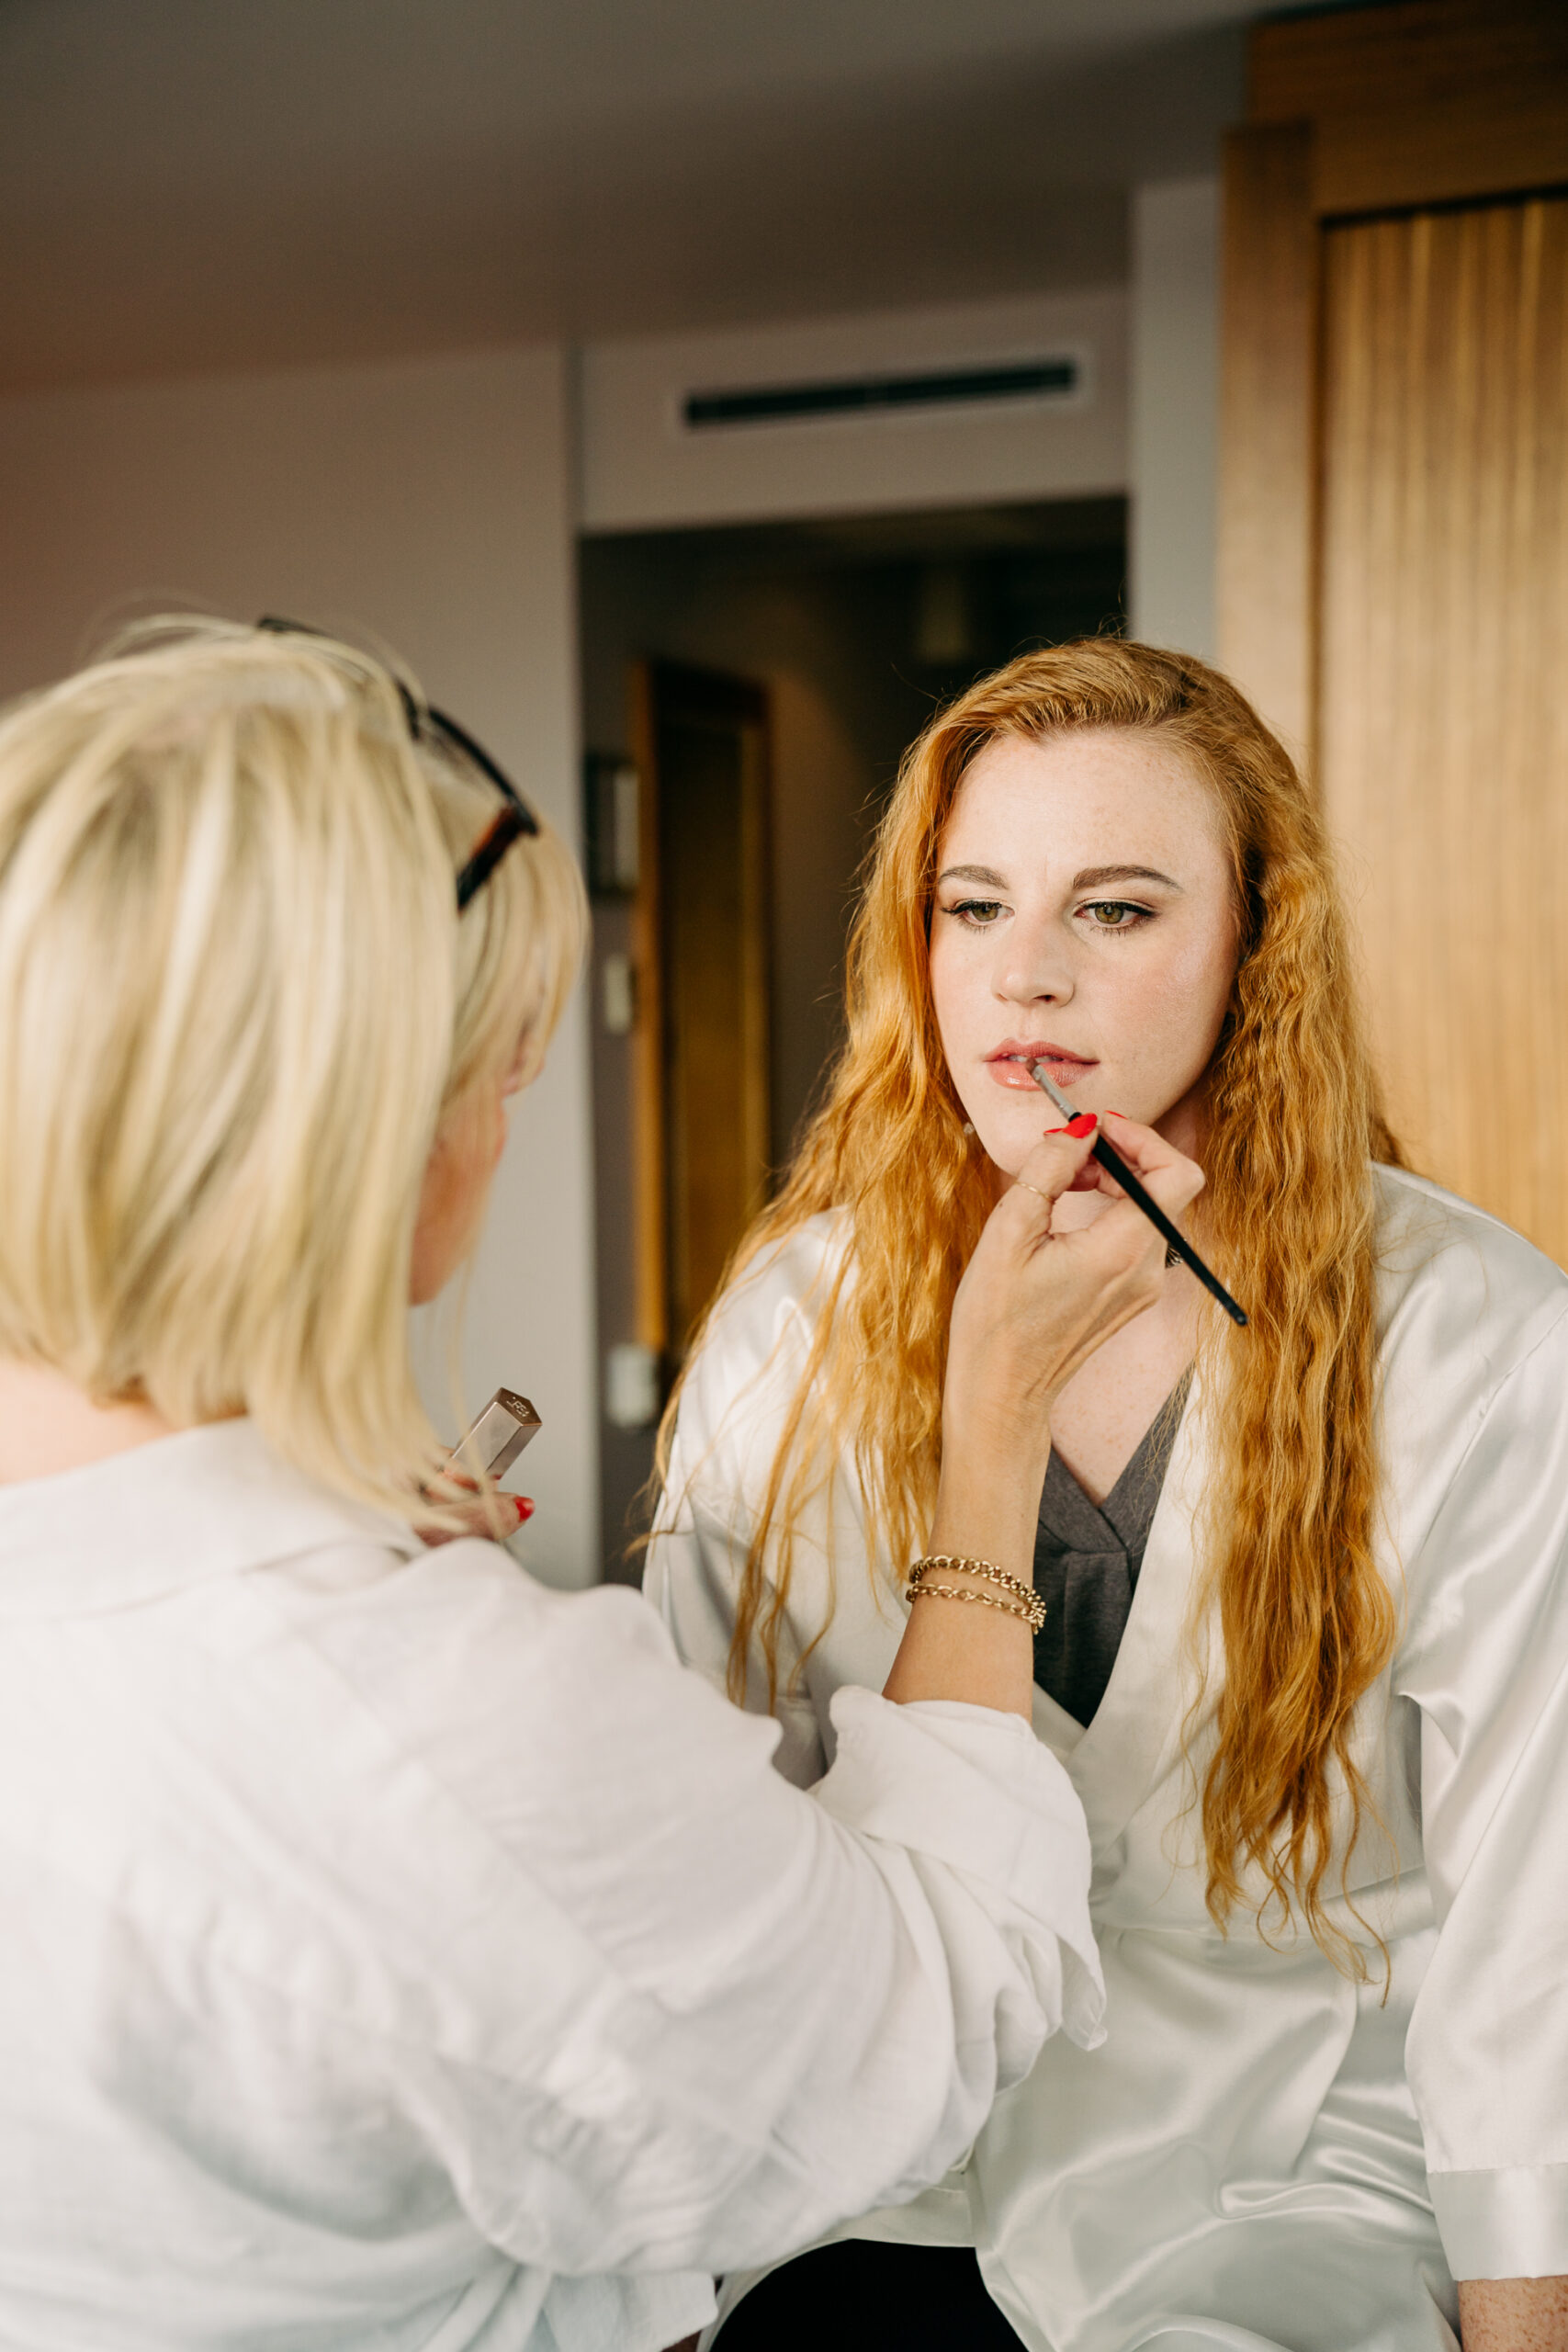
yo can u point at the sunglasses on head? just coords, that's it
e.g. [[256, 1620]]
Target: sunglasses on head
[[427, 725]]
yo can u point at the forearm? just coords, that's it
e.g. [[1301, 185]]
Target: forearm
[[1031, 1307], [987, 1507], [1514, 2315]]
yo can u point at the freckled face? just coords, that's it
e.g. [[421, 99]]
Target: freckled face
[[1083, 914]]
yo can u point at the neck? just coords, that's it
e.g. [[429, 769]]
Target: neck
[[47, 1424]]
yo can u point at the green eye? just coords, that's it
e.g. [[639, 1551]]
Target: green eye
[[1112, 914]]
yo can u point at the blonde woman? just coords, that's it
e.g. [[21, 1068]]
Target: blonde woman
[[397, 1954], [1306, 1654]]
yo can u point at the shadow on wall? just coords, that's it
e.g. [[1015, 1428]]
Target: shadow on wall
[[859, 628]]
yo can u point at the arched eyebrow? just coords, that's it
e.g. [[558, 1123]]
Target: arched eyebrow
[[1092, 877]]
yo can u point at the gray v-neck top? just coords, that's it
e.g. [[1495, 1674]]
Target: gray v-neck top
[[1087, 1558]]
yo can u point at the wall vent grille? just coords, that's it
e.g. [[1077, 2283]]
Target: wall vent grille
[[1060, 377]]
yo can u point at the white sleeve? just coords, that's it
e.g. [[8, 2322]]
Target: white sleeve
[[1488, 2053], [695, 2015]]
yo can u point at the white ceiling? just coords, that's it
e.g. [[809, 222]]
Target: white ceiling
[[197, 184]]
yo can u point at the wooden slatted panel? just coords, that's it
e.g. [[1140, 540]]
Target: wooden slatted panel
[[1443, 683]]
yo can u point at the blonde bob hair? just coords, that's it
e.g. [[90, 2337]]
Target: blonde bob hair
[[236, 1003], [1293, 1119]]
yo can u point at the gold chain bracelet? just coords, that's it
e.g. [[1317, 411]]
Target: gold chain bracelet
[[1033, 1617], [950, 1562], [1026, 1602]]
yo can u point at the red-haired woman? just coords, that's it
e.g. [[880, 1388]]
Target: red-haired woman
[[1305, 1653]]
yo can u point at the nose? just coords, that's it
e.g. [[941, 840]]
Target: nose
[[1033, 966]]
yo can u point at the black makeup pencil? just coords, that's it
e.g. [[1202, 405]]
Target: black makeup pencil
[[1114, 1165]]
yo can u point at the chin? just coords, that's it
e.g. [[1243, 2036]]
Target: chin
[[1007, 1153]]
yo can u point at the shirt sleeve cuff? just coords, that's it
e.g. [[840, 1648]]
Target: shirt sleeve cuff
[[973, 1788], [1512, 2223]]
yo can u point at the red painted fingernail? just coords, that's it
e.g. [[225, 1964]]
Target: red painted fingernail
[[1056, 1131], [524, 1507], [1084, 1124]]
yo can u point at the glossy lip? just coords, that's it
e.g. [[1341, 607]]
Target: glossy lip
[[1006, 1064]]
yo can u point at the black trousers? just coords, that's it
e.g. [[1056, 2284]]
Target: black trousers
[[859, 2294]]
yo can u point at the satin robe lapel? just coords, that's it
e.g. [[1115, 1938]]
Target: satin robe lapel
[[1135, 1741]]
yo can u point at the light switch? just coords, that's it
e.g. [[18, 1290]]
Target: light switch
[[631, 1386], [617, 985]]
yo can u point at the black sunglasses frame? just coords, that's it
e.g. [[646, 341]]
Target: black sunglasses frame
[[428, 725]]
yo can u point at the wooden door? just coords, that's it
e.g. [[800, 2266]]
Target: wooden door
[[705, 1145], [1443, 693], [1394, 540]]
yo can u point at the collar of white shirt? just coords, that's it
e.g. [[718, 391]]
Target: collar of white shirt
[[206, 1502]]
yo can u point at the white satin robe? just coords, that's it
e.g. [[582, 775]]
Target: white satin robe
[[1261, 2153]]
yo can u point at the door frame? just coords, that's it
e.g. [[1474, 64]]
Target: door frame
[[654, 686]]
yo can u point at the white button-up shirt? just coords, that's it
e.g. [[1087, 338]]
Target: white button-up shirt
[[399, 1954]]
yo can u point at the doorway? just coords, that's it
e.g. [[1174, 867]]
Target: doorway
[[704, 1143], [839, 638]]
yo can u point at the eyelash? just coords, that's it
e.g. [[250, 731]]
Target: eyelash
[[967, 911], [1140, 915]]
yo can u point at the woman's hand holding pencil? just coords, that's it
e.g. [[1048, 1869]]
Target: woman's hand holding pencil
[[1031, 1307], [1116, 1167], [1033, 1304]]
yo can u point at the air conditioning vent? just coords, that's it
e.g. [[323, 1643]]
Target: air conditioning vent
[[1050, 379]]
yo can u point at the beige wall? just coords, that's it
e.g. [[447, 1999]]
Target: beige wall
[[1174, 412], [428, 501]]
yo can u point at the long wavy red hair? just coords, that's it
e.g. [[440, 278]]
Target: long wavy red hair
[[1293, 1123]]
